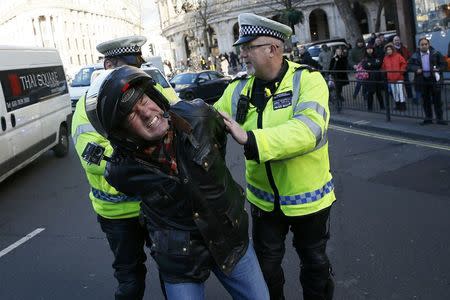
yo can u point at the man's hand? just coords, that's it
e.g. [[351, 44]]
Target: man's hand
[[239, 134], [419, 71]]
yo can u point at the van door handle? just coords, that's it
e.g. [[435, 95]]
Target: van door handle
[[3, 121], [13, 120]]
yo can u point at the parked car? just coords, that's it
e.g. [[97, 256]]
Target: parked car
[[81, 82], [315, 49], [388, 36], [157, 76], [207, 85]]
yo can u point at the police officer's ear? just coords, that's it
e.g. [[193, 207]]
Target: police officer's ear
[[271, 50]]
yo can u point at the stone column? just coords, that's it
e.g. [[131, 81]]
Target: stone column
[[224, 33], [336, 24], [405, 23], [178, 44], [302, 30]]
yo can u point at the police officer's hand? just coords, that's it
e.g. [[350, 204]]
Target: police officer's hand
[[239, 134]]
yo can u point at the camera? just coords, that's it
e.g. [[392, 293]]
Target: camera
[[93, 153]]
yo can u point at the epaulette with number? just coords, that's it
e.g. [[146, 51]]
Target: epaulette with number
[[243, 76], [307, 67]]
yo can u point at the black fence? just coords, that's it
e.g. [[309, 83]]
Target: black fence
[[375, 94]]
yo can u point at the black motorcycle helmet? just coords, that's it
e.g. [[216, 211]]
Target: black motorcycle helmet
[[118, 93]]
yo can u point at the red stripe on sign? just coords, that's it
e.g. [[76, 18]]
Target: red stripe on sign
[[14, 82]]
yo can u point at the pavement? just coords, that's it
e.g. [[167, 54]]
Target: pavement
[[399, 126]]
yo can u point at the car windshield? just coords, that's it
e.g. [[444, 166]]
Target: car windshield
[[158, 77], [187, 78], [314, 51], [83, 77]]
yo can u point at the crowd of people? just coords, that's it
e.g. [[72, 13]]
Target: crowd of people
[[226, 63], [380, 65]]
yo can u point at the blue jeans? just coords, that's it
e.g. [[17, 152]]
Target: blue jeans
[[245, 282]]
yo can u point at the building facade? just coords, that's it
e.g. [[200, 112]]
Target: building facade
[[183, 22], [74, 27]]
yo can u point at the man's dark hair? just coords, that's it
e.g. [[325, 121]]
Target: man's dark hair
[[423, 38]]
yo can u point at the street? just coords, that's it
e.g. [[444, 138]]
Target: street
[[390, 227]]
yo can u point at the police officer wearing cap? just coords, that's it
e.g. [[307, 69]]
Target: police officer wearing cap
[[118, 214], [279, 113]]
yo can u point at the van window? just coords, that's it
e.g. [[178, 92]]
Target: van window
[[83, 77], [158, 77], [25, 87]]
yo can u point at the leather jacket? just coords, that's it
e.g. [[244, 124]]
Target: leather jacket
[[196, 219]]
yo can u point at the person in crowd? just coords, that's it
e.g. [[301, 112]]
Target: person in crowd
[[379, 49], [211, 64], [224, 65], [217, 63], [225, 55], [373, 83], [372, 38], [325, 57], [234, 61], [167, 66], [280, 114], [400, 48], [354, 58], [117, 213], [383, 41], [427, 65], [305, 57], [173, 159], [395, 65], [338, 68], [203, 63]]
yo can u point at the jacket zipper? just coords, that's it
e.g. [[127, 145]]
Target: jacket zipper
[[269, 169]]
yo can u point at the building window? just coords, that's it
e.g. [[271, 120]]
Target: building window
[[79, 60], [68, 43], [71, 60]]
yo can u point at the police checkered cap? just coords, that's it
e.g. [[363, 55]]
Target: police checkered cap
[[123, 51], [129, 45], [247, 30], [252, 26]]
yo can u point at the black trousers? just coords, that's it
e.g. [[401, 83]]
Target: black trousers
[[431, 94], [311, 234], [127, 238]]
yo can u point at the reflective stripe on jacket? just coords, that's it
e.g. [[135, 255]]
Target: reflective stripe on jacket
[[292, 143], [106, 200]]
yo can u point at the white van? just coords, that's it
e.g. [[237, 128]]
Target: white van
[[34, 106]]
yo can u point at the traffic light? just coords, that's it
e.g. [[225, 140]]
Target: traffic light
[[151, 49]]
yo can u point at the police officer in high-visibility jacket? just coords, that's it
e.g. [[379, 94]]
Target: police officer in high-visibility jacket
[[280, 113], [117, 214]]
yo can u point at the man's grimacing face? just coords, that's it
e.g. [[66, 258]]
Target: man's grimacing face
[[146, 120]]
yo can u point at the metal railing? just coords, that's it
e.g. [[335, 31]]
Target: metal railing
[[356, 94]]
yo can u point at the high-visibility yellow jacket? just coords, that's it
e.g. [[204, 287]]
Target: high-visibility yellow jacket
[[293, 166], [106, 200]]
